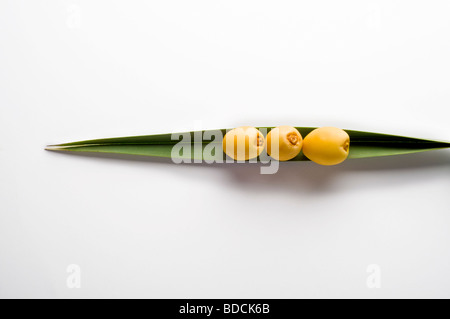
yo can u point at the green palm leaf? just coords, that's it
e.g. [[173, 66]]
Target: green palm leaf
[[362, 145]]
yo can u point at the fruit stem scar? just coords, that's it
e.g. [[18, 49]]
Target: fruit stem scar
[[259, 141], [346, 145], [292, 138]]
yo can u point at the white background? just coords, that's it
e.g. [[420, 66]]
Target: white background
[[74, 70]]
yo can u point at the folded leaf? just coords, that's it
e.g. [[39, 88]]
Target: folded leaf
[[362, 145]]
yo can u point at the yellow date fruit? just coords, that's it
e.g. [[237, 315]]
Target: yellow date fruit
[[327, 145], [243, 143], [284, 143]]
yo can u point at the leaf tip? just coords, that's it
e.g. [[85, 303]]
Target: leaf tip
[[52, 148]]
